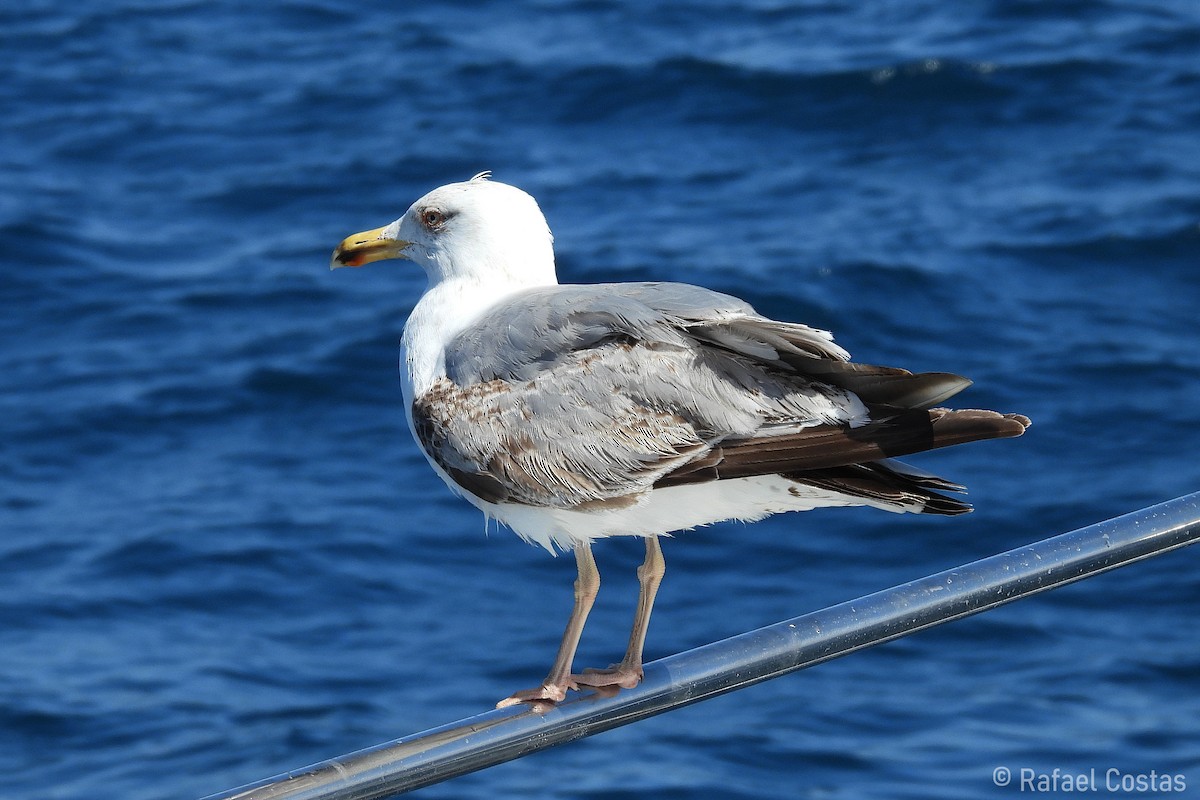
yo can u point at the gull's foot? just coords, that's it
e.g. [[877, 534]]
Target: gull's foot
[[623, 676], [544, 695]]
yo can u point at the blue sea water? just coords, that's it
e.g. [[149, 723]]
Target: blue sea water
[[221, 555]]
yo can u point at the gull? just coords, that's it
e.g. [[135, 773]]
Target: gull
[[572, 413]]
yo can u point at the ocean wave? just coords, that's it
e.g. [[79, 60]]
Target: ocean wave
[[1174, 248], [700, 90]]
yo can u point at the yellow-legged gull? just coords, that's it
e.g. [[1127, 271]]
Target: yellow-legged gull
[[576, 412]]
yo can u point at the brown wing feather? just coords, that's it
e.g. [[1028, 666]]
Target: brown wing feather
[[826, 446], [886, 482]]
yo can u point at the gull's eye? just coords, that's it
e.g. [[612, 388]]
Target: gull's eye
[[432, 218]]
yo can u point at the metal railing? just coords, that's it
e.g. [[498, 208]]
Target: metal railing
[[496, 736]]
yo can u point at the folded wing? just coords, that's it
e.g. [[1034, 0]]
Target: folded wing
[[590, 396]]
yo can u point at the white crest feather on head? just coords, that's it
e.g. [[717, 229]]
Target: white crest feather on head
[[482, 176]]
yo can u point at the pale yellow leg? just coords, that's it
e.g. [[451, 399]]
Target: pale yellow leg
[[628, 673], [554, 688]]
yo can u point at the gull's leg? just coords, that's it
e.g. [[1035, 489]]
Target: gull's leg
[[554, 688], [628, 673]]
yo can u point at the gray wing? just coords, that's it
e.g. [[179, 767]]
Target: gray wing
[[587, 396], [528, 332]]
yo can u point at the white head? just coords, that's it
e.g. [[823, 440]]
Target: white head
[[479, 230]]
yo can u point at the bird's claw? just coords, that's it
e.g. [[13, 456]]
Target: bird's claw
[[547, 693], [605, 682], [623, 676]]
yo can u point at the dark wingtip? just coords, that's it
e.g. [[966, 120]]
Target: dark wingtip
[[927, 389], [1023, 420], [955, 426]]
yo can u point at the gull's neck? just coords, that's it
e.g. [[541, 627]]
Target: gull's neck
[[446, 309]]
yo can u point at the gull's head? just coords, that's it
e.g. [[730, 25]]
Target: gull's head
[[477, 230]]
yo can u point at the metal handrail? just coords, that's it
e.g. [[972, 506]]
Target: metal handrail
[[496, 736]]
